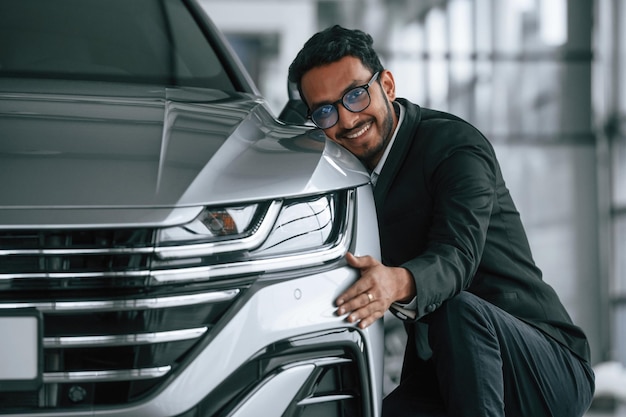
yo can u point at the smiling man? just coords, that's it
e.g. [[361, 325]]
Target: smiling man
[[487, 336]]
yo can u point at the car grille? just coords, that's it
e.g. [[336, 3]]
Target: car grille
[[110, 336]]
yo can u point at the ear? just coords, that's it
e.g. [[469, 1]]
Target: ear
[[388, 84]]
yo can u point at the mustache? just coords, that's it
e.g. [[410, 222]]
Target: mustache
[[343, 133]]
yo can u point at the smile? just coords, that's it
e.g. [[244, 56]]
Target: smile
[[360, 132]]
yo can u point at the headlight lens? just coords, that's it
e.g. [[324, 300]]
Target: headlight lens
[[301, 226], [257, 238], [214, 224]]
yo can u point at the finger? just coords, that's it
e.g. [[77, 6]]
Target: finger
[[361, 285], [362, 301], [359, 288], [360, 262], [365, 316], [369, 320], [352, 259]]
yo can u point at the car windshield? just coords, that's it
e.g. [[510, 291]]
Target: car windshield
[[139, 41]]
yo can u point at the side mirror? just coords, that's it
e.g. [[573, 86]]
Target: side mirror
[[295, 111]]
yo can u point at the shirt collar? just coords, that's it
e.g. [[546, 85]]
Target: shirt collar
[[379, 167]]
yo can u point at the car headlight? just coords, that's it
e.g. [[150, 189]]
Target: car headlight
[[256, 238]]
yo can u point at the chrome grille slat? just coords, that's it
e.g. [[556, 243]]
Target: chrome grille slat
[[254, 266], [123, 340], [124, 305], [77, 252], [76, 275], [105, 376], [212, 271]]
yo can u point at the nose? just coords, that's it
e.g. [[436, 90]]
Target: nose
[[347, 119]]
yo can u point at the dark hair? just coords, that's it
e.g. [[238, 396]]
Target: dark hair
[[331, 45]]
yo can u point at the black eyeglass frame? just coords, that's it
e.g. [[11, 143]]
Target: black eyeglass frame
[[342, 101]]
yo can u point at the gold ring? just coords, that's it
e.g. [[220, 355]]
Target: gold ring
[[370, 296]]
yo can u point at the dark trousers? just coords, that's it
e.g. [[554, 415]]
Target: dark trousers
[[488, 363]]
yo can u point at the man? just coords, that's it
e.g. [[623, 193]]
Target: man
[[487, 336]]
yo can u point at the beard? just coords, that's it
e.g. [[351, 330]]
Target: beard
[[372, 156]]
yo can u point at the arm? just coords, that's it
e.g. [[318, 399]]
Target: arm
[[460, 171]]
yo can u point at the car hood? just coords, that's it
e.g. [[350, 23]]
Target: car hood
[[88, 153]]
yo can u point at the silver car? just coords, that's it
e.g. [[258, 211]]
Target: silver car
[[167, 246]]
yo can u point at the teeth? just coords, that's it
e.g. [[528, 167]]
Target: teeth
[[360, 132]]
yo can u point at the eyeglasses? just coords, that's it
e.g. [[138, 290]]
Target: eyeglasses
[[355, 100]]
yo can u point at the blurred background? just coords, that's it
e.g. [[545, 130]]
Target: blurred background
[[545, 80]]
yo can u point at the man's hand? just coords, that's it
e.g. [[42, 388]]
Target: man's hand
[[379, 286]]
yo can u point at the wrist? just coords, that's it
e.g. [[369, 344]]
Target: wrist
[[406, 286]]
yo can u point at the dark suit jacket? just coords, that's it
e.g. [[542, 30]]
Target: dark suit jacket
[[446, 215]]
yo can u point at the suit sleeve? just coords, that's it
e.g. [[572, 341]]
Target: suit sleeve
[[460, 170]]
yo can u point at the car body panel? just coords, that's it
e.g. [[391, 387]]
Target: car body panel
[[147, 157]]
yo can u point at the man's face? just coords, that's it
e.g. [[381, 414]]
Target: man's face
[[365, 133]]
